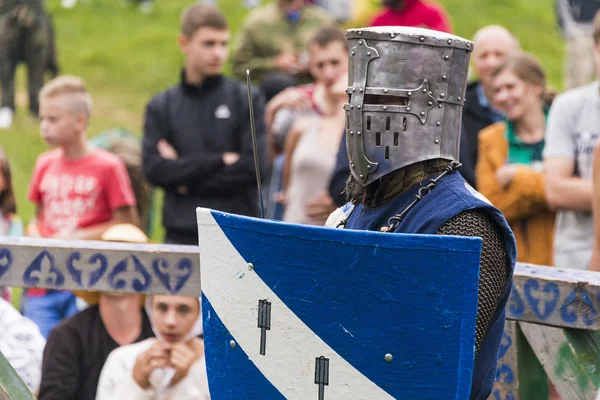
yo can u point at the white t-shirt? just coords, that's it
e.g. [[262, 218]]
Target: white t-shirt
[[116, 379], [22, 344], [572, 131]]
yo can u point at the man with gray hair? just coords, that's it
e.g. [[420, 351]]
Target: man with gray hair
[[493, 44]]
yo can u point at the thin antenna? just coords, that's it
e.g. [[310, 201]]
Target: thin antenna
[[254, 145]]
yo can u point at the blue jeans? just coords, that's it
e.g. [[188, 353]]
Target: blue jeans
[[48, 310]]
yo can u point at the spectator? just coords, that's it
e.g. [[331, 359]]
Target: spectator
[[509, 169], [492, 45], [10, 223], [170, 366], [79, 192], [272, 44], [573, 130], [22, 344], [595, 263], [26, 34], [78, 347], [304, 101], [202, 159], [339, 178], [128, 147], [339, 10], [575, 21], [313, 142], [417, 13]]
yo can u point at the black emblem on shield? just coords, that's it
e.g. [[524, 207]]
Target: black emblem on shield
[[322, 375], [264, 323]]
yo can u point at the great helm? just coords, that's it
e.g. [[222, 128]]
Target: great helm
[[406, 93]]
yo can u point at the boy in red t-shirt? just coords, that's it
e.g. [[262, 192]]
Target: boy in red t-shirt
[[79, 191]]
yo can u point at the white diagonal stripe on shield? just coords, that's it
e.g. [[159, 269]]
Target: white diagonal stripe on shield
[[289, 362]]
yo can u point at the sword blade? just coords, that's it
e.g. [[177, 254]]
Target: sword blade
[[254, 145]]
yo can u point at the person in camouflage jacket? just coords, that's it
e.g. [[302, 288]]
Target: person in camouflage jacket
[[273, 39]]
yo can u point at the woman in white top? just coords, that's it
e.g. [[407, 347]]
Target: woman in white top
[[170, 366]]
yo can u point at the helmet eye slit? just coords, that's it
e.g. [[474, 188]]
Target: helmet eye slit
[[386, 100]]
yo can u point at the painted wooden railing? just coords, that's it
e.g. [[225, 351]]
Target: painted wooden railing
[[95, 266], [552, 333]]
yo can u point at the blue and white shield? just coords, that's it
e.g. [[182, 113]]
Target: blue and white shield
[[304, 312]]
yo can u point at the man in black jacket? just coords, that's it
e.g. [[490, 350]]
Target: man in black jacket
[[197, 141], [492, 45]]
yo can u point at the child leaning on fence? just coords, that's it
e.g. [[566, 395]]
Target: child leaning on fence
[[79, 191]]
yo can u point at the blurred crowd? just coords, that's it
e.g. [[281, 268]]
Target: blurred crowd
[[529, 150]]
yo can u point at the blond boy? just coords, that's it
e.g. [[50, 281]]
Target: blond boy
[[79, 191]]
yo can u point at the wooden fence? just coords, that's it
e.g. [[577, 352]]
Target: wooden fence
[[551, 331]]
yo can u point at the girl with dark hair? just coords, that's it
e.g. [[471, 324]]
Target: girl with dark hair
[[10, 223], [509, 170]]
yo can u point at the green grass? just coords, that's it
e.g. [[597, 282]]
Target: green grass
[[126, 57]]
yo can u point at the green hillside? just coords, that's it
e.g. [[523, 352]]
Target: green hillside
[[126, 56]]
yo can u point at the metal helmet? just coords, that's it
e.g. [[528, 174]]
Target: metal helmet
[[406, 90]]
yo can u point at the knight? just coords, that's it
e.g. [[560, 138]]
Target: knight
[[403, 123]]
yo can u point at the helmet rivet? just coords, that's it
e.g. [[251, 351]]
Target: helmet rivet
[[352, 165], [388, 357], [446, 57], [352, 52], [361, 175], [430, 103], [360, 90], [351, 107], [438, 123], [352, 132], [439, 106], [442, 95], [407, 108], [358, 133], [410, 93], [392, 34], [360, 32], [368, 53], [437, 141], [459, 98], [422, 113], [358, 107], [424, 90], [385, 107], [360, 42], [444, 77], [449, 41], [385, 90], [354, 89], [368, 167], [422, 38]]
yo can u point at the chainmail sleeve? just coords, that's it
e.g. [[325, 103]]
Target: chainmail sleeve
[[494, 264]]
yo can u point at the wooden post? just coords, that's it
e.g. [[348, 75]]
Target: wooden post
[[506, 386], [569, 357], [11, 385]]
